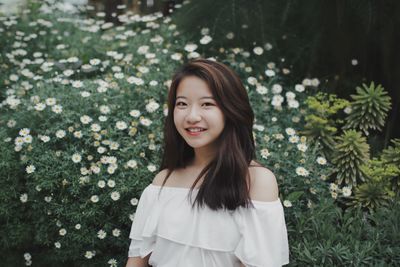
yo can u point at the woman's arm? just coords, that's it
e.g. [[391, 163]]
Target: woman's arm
[[138, 262], [242, 265]]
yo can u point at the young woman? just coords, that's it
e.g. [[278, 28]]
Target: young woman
[[211, 205]]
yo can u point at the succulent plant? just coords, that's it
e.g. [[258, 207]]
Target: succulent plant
[[320, 124], [351, 152], [391, 158], [392, 153], [368, 109], [372, 195]]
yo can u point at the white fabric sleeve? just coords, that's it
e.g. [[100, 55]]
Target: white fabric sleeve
[[264, 241], [140, 245]]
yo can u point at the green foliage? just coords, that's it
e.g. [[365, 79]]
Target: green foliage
[[391, 159], [351, 152], [321, 122], [369, 108], [328, 236]]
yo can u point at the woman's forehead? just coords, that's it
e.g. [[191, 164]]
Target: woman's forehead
[[193, 87]]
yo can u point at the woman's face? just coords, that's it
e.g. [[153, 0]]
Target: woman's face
[[197, 116]]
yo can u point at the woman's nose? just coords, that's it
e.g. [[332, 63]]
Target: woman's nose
[[193, 115]]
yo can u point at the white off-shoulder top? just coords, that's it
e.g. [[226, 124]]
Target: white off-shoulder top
[[178, 236]]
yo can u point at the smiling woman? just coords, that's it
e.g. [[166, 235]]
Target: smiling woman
[[209, 152]]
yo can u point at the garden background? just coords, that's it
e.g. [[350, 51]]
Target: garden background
[[83, 98]]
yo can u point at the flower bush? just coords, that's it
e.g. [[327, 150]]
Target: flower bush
[[81, 132]]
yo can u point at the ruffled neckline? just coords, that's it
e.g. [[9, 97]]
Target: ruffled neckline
[[186, 189]]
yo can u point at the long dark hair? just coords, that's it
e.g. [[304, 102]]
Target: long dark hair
[[226, 178]]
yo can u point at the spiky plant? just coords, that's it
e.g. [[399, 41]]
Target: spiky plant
[[392, 153], [320, 124], [369, 108], [351, 152], [391, 158], [371, 195]]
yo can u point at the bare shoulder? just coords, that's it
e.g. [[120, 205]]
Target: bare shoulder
[[263, 185], [159, 178]]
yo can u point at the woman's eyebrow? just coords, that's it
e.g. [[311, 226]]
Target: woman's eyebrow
[[204, 97]]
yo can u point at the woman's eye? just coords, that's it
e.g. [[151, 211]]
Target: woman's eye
[[180, 104], [208, 104]]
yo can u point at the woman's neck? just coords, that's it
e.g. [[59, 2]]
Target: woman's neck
[[202, 158]]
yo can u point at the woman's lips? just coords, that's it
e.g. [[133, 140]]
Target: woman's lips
[[196, 133]]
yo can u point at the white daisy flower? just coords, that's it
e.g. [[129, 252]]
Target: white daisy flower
[[19, 141], [27, 256], [346, 191], [145, 121], [27, 139], [11, 123], [24, 131], [333, 187], [134, 113], [78, 226], [131, 163], [76, 158], [95, 61], [230, 35], [104, 109], [258, 50], [62, 232], [40, 106], [276, 89], [115, 195], [302, 171], [103, 118], [23, 197], [321, 161], [85, 94], [299, 88], [290, 131], [134, 201], [94, 198], [121, 125], [78, 134], [294, 139], [111, 183], [205, 39], [57, 109], [119, 75], [77, 84], [89, 254], [116, 232], [60, 134], [101, 234], [264, 153], [293, 103], [101, 183], [135, 80], [287, 203], [95, 127], [302, 147], [176, 56], [85, 119], [190, 47], [112, 262], [270, 73], [152, 167], [262, 90], [152, 106], [57, 244], [30, 169]]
